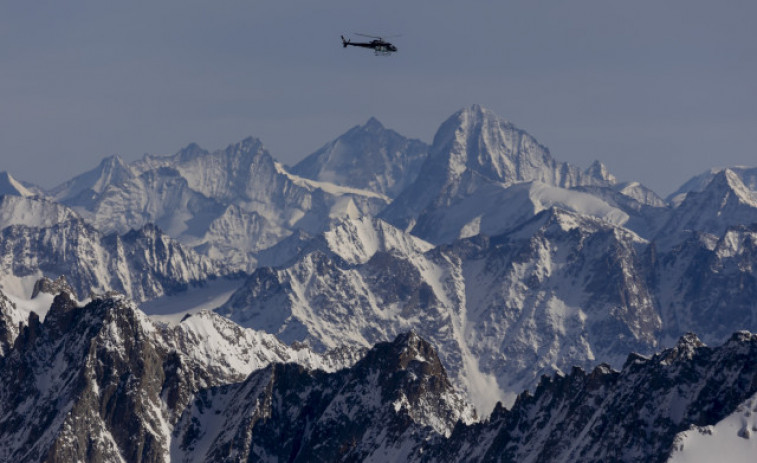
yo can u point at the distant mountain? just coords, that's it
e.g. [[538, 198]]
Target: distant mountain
[[709, 284], [474, 150], [500, 311], [403, 281], [11, 186], [494, 209], [723, 202], [368, 157], [33, 212], [228, 204], [143, 263], [747, 175], [559, 290]]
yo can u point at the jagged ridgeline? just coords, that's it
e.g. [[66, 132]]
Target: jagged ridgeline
[[507, 265], [104, 383]]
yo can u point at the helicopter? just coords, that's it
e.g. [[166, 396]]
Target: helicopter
[[379, 45]]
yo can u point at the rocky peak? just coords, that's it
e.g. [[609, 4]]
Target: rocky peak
[[369, 157], [190, 152], [580, 417], [9, 326], [724, 185], [475, 155], [684, 350], [600, 172], [475, 141], [61, 314], [373, 126], [724, 202], [85, 188], [11, 186], [53, 287]]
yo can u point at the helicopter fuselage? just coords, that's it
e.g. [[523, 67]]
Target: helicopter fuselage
[[378, 45]]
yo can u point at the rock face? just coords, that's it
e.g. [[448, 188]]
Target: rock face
[[9, 324], [204, 198], [561, 290], [472, 150], [143, 263], [511, 264], [708, 283], [633, 415], [380, 409], [724, 202], [501, 311], [53, 287], [104, 383], [368, 157]]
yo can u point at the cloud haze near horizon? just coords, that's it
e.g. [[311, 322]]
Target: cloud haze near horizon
[[658, 91]]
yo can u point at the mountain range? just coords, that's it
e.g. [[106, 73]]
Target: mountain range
[[392, 300]]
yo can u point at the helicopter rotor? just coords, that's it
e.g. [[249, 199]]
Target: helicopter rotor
[[377, 36]]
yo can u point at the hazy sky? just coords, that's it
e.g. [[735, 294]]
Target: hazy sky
[[657, 90]]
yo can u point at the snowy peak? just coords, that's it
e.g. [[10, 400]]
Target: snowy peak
[[83, 188], [11, 186], [477, 140], [747, 175], [724, 202], [190, 152], [227, 204], [728, 180], [368, 157], [143, 263], [473, 151], [33, 212], [599, 171], [373, 125], [357, 240], [226, 174]]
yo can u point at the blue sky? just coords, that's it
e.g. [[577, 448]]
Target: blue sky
[[657, 90]]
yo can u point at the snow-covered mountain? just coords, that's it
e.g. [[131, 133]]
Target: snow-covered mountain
[[560, 290], [381, 409], [500, 311], [473, 149], [495, 209], [747, 175], [508, 262], [723, 202], [32, 212], [709, 284], [102, 382], [226, 204], [634, 415], [144, 263], [368, 157], [11, 186]]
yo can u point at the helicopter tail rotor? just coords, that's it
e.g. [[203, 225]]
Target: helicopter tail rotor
[[345, 42]]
